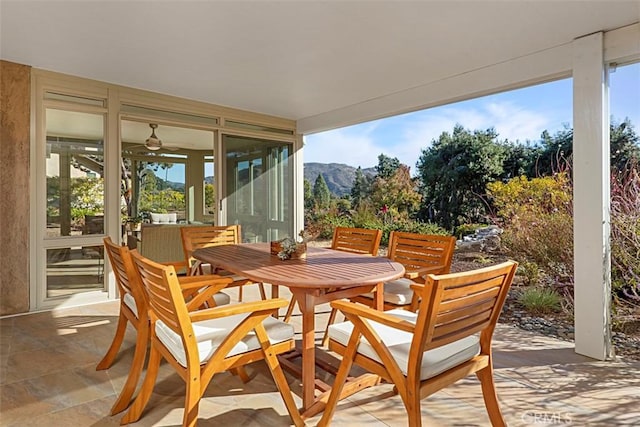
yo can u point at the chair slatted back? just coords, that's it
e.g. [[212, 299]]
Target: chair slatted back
[[202, 237], [124, 270], [461, 304], [416, 251], [166, 301], [356, 240]]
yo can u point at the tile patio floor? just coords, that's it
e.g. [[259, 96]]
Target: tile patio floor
[[48, 378]]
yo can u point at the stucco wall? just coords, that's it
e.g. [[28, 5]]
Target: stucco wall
[[15, 90]]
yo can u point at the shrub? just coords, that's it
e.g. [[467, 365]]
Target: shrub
[[537, 218], [530, 272], [625, 233], [540, 300], [410, 226]]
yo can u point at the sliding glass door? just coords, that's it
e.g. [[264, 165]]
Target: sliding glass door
[[258, 187]]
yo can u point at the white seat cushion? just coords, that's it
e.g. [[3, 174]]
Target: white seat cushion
[[220, 298], [130, 302], [210, 334], [397, 292], [434, 361]]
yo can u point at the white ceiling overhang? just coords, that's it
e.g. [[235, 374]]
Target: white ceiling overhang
[[324, 64]]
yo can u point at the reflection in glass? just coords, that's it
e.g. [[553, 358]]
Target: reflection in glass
[[75, 173], [259, 182], [209, 187], [74, 270]]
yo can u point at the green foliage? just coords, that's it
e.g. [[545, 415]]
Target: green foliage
[[321, 193], [555, 153], [308, 195], [455, 171], [343, 206], [361, 187], [410, 226], [387, 166], [364, 214], [162, 201], [537, 218], [538, 300], [210, 198], [322, 225], [519, 160], [625, 145], [397, 192], [86, 197], [530, 271]]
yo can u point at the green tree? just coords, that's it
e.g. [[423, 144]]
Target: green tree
[[209, 198], [361, 187], [454, 172], [308, 195], [321, 193], [87, 197], [387, 166], [556, 152], [397, 193], [625, 148], [519, 160]]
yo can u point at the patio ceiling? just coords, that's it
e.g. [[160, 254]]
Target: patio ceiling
[[305, 60]]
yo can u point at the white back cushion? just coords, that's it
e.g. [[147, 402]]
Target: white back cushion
[[158, 218]]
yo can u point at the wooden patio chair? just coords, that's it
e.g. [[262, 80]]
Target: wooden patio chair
[[203, 237], [161, 243], [200, 344], [420, 254], [448, 338], [133, 309], [364, 241]]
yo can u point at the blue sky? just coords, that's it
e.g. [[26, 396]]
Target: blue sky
[[517, 115]]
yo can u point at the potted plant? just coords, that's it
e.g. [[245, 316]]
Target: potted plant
[[132, 223], [290, 248]]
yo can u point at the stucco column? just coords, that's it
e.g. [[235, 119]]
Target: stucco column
[[591, 198], [15, 116]]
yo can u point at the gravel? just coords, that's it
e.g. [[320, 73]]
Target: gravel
[[561, 326]]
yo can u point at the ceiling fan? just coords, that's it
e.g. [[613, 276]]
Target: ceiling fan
[[153, 143]]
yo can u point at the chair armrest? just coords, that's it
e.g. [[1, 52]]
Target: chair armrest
[[199, 290], [178, 265], [229, 310], [374, 315], [194, 282], [419, 272]]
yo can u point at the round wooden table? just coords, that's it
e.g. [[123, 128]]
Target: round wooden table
[[324, 275]]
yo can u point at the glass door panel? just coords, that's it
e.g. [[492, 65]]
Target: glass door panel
[[164, 187], [74, 183], [258, 187]]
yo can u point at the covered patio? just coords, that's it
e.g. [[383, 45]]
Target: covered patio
[[262, 73], [48, 377]]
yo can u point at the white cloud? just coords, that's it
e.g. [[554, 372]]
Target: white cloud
[[405, 136]]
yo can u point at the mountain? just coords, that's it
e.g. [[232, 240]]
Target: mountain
[[339, 177]]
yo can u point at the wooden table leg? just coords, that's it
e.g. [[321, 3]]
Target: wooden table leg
[[378, 294], [306, 304]]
